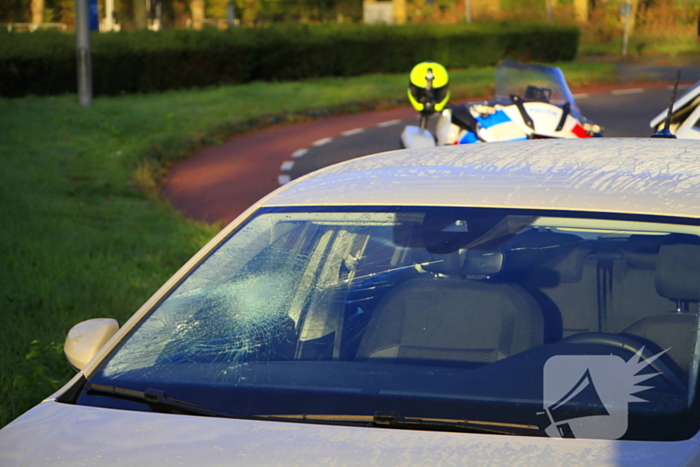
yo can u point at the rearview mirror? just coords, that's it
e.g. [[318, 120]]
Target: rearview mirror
[[85, 339]]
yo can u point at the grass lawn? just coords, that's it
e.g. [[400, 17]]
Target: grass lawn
[[85, 234]]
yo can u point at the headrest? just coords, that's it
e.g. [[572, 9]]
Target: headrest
[[678, 272], [449, 264], [641, 251]]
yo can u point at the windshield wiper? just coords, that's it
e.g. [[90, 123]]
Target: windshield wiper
[[396, 420], [154, 397], [384, 419]]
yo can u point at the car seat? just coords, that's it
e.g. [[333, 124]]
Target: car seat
[[677, 277], [454, 315]]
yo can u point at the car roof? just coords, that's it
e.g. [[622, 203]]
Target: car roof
[[630, 175]]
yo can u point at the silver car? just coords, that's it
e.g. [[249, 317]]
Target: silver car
[[528, 303]]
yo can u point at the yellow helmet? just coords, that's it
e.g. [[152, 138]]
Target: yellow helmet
[[428, 88]]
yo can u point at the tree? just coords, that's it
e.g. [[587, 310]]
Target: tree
[[37, 7], [140, 14], [581, 10], [197, 10]]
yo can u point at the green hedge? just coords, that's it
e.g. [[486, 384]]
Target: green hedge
[[44, 63]]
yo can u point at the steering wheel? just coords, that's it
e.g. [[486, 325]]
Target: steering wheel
[[630, 344]]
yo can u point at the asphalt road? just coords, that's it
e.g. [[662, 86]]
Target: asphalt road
[[624, 112], [627, 115], [222, 181]]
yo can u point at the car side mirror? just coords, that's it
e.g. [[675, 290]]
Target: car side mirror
[[85, 339]]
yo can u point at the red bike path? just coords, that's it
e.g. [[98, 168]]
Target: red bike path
[[220, 182]]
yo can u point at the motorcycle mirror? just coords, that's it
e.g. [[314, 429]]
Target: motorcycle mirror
[[665, 132]]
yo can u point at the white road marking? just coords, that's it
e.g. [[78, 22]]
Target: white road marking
[[388, 123], [321, 142], [582, 95], [299, 153], [287, 166], [356, 131], [622, 92], [283, 179]]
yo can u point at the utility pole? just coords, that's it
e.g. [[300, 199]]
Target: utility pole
[[82, 34], [468, 8], [549, 11]]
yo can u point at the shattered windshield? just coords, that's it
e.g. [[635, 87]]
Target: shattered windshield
[[574, 325], [533, 82]]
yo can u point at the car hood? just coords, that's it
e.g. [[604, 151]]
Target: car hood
[[55, 434]]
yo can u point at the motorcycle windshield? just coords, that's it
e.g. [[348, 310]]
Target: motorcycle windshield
[[533, 83]]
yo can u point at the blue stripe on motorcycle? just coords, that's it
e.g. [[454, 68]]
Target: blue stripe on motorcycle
[[498, 118], [469, 138]]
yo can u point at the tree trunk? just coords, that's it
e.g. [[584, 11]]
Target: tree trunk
[[140, 14], [485, 9], [399, 11], [37, 8], [197, 9], [581, 11]]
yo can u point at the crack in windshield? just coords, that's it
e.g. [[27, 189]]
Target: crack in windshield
[[450, 316]]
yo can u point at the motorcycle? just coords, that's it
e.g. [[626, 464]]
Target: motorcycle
[[531, 102]]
